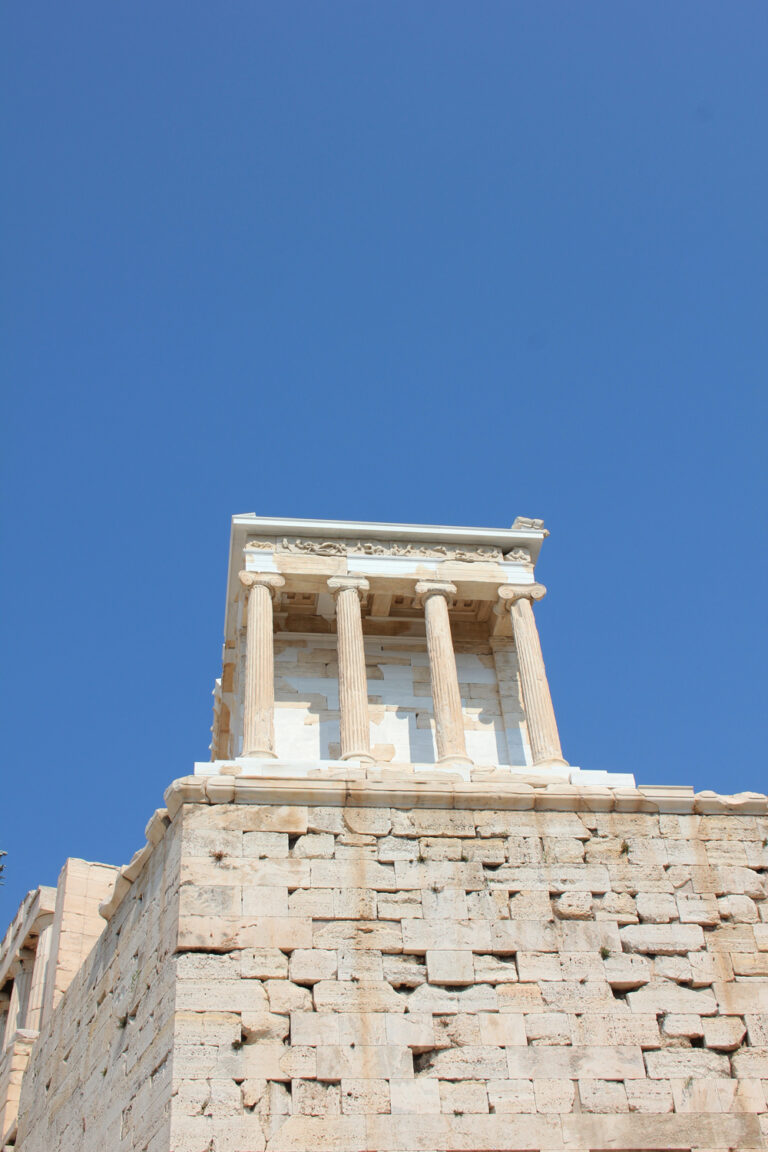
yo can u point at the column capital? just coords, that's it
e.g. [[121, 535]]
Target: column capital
[[427, 588], [270, 580], [509, 593], [338, 584]]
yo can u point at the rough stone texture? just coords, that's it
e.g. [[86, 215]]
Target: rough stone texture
[[263, 986]]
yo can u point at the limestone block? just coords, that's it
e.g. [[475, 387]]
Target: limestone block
[[450, 967], [383, 936], [414, 1097], [354, 904], [681, 1063], [370, 821], [750, 1064], [656, 907], [275, 818], [574, 906], [403, 971], [435, 999], [490, 851], [391, 848], [361, 1062], [498, 1029], [359, 964], [724, 1033], [353, 874], [579, 996], [681, 1025], [343, 996], [424, 935], [603, 1096], [535, 966], [308, 965], [750, 964], [625, 972], [463, 874], [576, 936], [445, 904], [735, 999], [399, 905], [432, 822], [707, 967], [471, 1062], [511, 1096], [677, 968], [617, 906], [554, 1095], [649, 1096], [701, 910], [298, 1133], [312, 1098], [530, 906], [495, 969], [664, 939], [460, 1097], [757, 1028], [589, 1062], [524, 850], [666, 997], [740, 909], [629, 1028], [661, 1132], [732, 938], [314, 846], [220, 996], [547, 1028], [262, 901], [261, 845], [414, 1031], [509, 936], [325, 820], [364, 1097], [285, 996], [439, 848], [261, 963]]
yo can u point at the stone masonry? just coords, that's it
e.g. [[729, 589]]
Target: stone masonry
[[354, 952]]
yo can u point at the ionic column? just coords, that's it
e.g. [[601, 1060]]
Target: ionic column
[[353, 686], [259, 695], [537, 699], [37, 987], [446, 699]]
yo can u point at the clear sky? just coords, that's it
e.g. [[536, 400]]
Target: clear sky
[[431, 262]]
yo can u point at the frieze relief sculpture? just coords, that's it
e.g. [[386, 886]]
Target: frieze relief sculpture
[[319, 547]]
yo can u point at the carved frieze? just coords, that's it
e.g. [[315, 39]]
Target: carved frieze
[[319, 547]]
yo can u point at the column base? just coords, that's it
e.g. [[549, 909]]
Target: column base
[[551, 762], [364, 756], [457, 759], [261, 753]]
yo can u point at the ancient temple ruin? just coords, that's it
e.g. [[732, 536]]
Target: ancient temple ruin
[[388, 914]]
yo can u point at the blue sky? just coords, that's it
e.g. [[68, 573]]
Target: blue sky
[[444, 263]]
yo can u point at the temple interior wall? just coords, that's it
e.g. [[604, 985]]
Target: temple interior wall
[[400, 700]]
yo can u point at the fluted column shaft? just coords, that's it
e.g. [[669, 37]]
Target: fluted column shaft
[[446, 698], [39, 972], [259, 694], [537, 698], [353, 685]]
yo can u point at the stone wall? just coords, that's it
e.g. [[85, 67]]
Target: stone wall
[[99, 1075], [388, 965], [400, 700]]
